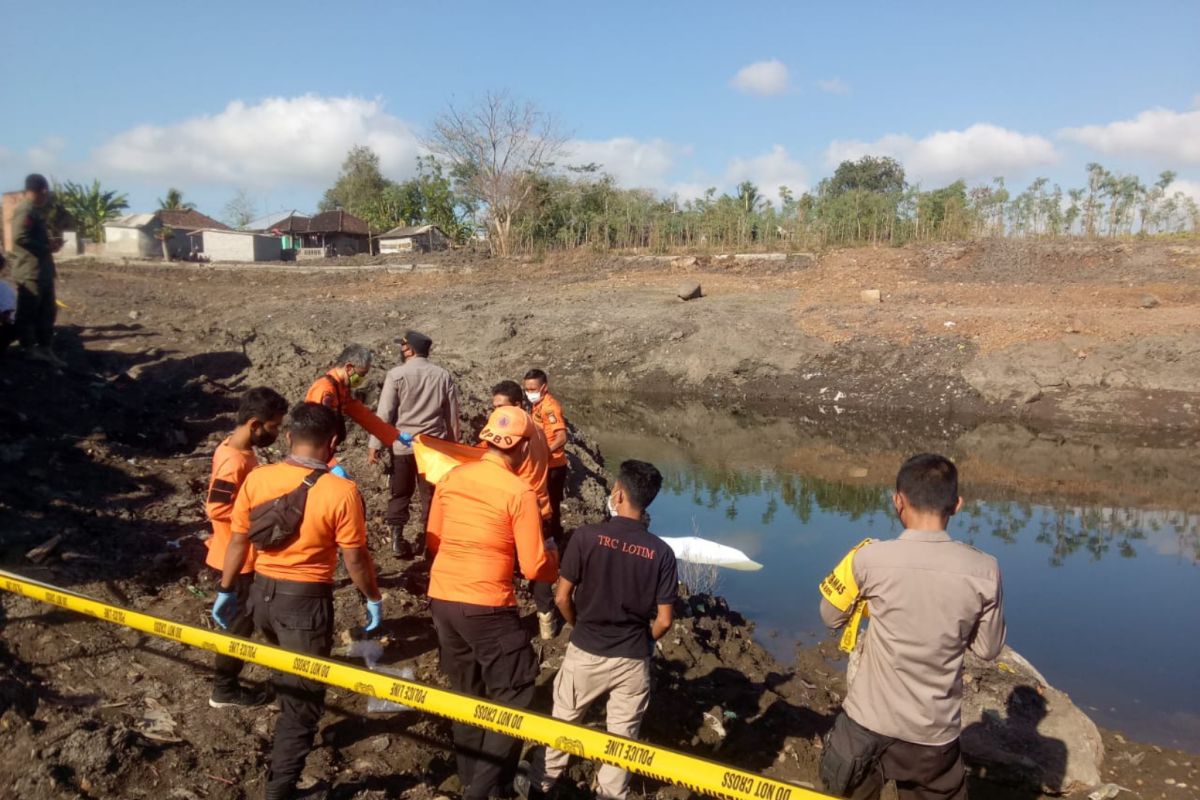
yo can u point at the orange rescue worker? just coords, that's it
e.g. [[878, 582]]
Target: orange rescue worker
[[482, 514], [292, 594], [548, 414], [259, 417], [333, 390], [535, 470]]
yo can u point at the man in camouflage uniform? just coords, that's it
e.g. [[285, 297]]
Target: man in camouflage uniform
[[33, 271]]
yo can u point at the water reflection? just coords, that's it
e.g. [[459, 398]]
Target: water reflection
[[1064, 530], [1099, 543]]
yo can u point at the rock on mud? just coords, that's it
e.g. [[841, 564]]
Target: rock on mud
[[871, 296], [689, 291], [1024, 731]]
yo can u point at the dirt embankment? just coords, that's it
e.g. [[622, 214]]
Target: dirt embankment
[[1048, 333]]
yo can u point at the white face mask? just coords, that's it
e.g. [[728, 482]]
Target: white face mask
[[533, 397], [612, 507]]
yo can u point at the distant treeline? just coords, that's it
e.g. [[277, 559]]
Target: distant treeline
[[868, 201], [864, 202]]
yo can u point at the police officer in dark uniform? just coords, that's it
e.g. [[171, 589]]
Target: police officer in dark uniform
[[34, 273]]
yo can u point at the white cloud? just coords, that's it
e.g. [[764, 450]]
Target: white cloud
[[1188, 187], [768, 172], [762, 77], [632, 162], [44, 155], [293, 141], [1171, 137], [689, 190], [834, 86], [981, 150]]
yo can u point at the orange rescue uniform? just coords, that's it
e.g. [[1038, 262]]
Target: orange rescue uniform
[[482, 514], [549, 417], [331, 392], [230, 467], [535, 470], [333, 517]]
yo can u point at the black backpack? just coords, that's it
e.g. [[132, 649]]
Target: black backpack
[[273, 525]]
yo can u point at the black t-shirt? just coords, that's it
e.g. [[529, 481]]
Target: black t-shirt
[[622, 573]]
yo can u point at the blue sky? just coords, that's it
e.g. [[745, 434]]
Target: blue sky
[[140, 94]]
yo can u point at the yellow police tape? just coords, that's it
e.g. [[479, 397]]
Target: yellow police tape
[[698, 774]]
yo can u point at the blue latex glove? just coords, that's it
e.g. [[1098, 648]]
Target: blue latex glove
[[224, 609], [374, 615], [340, 472], [406, 438]]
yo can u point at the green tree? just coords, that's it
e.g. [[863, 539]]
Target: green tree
[[748, 197], [91, 206], [943, 213], [174, 202], [880, 175], [1098, 178], [359, 189]]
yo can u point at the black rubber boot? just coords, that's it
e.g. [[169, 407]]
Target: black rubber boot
[[400, 546]]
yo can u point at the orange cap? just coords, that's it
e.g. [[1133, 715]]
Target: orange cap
[[506, 427]]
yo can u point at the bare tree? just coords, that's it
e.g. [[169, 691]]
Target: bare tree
[[497, 149], [240, 210]]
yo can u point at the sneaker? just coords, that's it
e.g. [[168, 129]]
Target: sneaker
[[243, 697], [547, 625]]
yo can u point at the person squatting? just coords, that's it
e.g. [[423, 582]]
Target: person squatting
[[278, 531]]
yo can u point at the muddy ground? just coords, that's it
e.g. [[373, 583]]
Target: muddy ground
[[113, 455]]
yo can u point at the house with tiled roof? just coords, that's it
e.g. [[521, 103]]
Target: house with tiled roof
[[137, 235], [336, 233], [413, 238]]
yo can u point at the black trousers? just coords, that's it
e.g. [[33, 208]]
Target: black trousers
[[295, 616], [36, 313], [861, 761], [8, 335], [484, 653], [406, 481], [556, 484], [227, 668]]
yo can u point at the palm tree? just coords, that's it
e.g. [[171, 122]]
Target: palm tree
[[164, 235], [174, 202], [91, 206], [748, 197]]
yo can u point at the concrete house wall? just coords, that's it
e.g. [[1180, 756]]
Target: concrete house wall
[[131, 242], [238, 246]]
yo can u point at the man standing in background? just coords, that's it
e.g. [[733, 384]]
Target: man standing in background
[[418, 397], [34, 272]]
